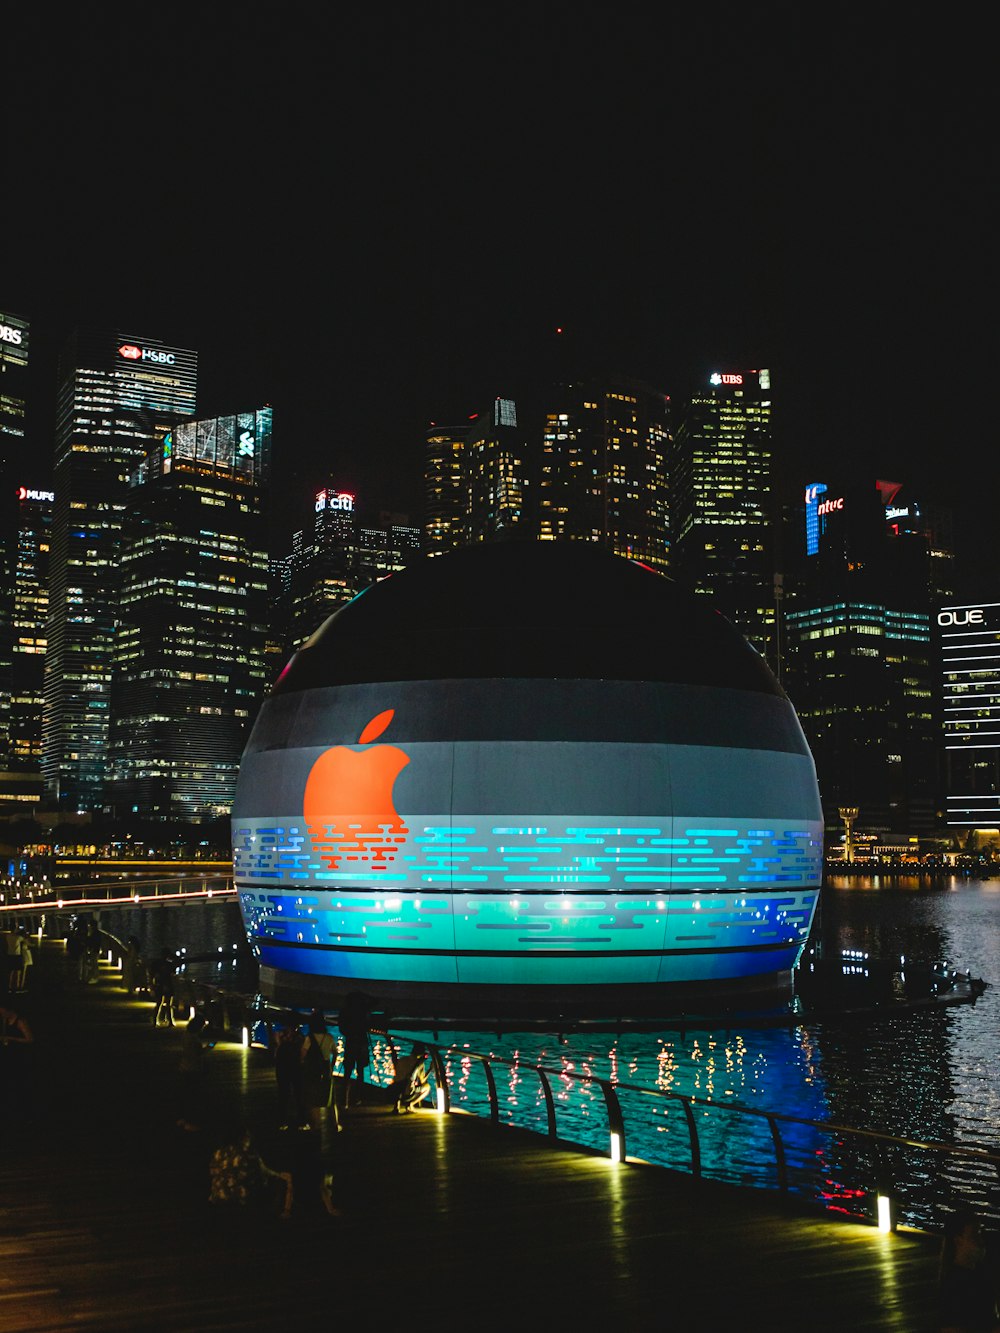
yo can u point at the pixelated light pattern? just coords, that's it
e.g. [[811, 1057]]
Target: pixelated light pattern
[[476, 901]]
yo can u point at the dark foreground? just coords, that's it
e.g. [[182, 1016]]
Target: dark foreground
[[443, 1222]]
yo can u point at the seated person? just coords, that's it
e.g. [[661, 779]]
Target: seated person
[[411, 1084], [239, 1175]]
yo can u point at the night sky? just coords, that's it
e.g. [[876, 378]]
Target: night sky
[[376, 221]]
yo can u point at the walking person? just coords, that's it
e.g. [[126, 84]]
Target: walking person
[[90, 956], [131, 965], [354, 1016], [319, 1051], [288, 1075], [162, 984]]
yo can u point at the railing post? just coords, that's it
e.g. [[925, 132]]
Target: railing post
[[779, 1154], [693, 1135], [491, 1085], [616, 1122], [441, 1079], [550, 1106]]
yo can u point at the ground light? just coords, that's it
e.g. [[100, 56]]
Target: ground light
[[616, 1147], [886, 1212]]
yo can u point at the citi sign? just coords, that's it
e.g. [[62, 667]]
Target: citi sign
[[964, 617], [329, 500], [132, 353], [9, 335]]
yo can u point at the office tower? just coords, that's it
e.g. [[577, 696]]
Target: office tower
[[118, 397], [30, 611], [323, 563], [14, 346], [720, 501], [190, 663], [496, 474], [858, 655], [446, 500], [345, 553], [386, 543], [602, 475], [968, 643]]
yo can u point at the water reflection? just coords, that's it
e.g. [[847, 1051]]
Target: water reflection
[[931, 1075]]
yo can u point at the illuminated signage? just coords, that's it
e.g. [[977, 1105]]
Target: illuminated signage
[[246, 443], [828, 506], [813, 491], [334, 500], [892, 512], [132, 353], [25, 493], [964, 617], [725, 379], [10, 335]]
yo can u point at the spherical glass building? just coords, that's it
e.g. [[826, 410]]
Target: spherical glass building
[[527, 779]]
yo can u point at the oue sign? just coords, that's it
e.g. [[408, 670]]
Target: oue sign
[[963, 617]]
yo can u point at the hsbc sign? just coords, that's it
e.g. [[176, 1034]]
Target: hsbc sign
[[132, 353]]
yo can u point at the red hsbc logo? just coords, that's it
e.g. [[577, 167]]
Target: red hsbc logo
[[129, 352]]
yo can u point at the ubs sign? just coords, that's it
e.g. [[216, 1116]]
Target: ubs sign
[[8, 334]]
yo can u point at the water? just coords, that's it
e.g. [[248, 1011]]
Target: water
[[931, 1075]]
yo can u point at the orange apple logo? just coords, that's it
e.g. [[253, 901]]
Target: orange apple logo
[[348, 805]]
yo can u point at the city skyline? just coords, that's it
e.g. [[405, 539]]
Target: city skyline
[[390, 226]]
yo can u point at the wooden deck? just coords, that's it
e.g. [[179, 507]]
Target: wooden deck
[[444, 1221]]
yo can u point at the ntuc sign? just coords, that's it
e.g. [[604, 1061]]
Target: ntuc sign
[[963, 616], [132, 353]]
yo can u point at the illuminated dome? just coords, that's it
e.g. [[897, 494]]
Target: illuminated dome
[[526, 779]]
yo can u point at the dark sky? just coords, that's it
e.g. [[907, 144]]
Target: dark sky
[[375, 221]]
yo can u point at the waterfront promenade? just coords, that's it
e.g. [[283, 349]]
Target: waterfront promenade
[[443, 1220]]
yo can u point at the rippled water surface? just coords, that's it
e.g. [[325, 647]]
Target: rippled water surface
[[931, 1075]]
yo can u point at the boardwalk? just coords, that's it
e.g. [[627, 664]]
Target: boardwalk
[[444, 1221]]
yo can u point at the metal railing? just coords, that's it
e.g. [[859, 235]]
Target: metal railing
[[168, 888], [917, 1176]]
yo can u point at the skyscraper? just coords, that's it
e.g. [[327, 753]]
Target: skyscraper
[[969, 654], [31, 601], [446, 500], [118, 398], [858, 655], [496, 472], [720, 506], [190, 648], [14, 344], [602, 475], [343, 554]]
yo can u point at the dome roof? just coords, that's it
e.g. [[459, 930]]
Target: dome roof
[[522, 610]]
